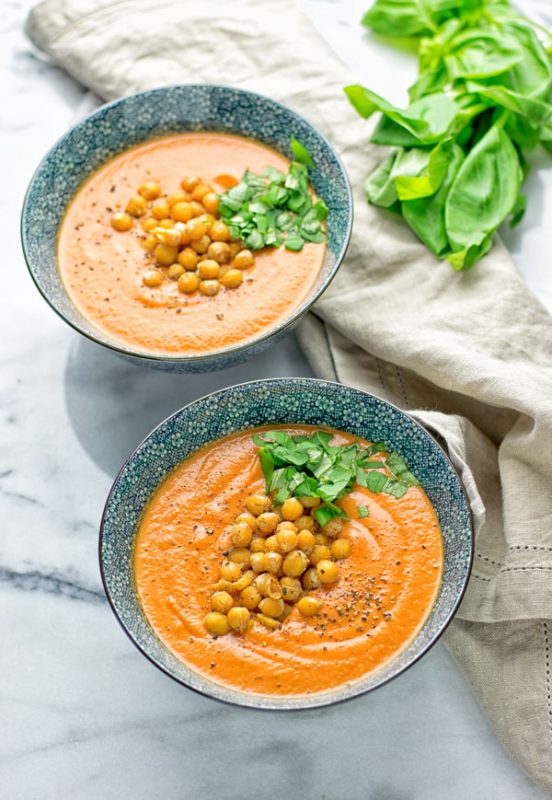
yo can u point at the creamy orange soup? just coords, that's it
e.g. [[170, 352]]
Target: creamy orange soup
[[385, 592], [102, 269]]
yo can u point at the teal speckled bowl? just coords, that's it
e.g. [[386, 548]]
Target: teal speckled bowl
[[135, 119], [268, 402]]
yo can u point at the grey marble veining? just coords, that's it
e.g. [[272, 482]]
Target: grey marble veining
[[82, 714]]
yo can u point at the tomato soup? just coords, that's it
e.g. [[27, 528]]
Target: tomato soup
[[102, 269], [385, 591]]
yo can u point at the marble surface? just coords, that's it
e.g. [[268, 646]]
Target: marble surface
[[82, 714]]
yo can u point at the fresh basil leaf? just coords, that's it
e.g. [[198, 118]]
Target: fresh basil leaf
[[426, 181], [396, 488], [375, 481], [323, 515], [426, 216], [398, 18], [294, 241], [281, 496], [481, 53], [518, 210], [300, 152], [483, 192]]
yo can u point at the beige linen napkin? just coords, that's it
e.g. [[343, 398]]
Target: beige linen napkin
[[470, 353]]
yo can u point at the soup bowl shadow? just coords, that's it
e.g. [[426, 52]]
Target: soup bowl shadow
[[269, 402], [135, 119]]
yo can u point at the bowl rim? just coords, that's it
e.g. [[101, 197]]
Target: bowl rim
[[229, 351], [320, 699]]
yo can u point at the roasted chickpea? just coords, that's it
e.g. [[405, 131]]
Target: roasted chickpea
[[152, 278], [188, 258], [189, 182], [273, 562], [244, 260], [320, 552], [230, 571], [341, 548], [197, 230], [235, 248], [150, 243], [149, 223], [310, 579], [241, 534], [305, 541], [200, 190], [295, 563], [188, 283], [238, 618], [257, 503], [121, 221], [268, 585], [257, 562], [271, 606], [165, 254], [240, 556], [167, 222], [175, 271], [137, 206], [320, 538], [219, 231], [201, 245], [197, 208], [232, 279], [210, 202], [250, 597], [306, 523], [184, 234], [272, 545], [182, 212], [219, 251], [209, 288], [309, 606], [160, 209], [222, 602], [150, 190], [291, 589], [310, 502], [177, 197], [333, 527], [216, 624], [246, 516], [267, 522], [169, 236], [208, 269], [328, 571], [287, 540], [287, 525], [257, 545], [292, 509]]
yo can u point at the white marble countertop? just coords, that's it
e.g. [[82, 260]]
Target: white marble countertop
[[83, 714]]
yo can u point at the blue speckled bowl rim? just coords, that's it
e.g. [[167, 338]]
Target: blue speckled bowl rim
[[286, 323], [318, 700]]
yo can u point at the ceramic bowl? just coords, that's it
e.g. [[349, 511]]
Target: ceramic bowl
[[135, 119], [297, 401]]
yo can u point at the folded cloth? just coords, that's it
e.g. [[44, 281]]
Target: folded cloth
[[470, 355]]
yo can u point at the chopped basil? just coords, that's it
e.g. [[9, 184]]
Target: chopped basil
[[309, 466], [273, 209], [363, 511]]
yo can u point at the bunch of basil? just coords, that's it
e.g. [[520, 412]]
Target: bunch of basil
[[481, 100]]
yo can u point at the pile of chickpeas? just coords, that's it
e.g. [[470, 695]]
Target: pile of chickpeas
[[278, 556], [187, 241]]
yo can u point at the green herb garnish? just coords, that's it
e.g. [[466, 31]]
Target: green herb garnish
[[363, 511], [482, 98], [309, 466], [274, 209]]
